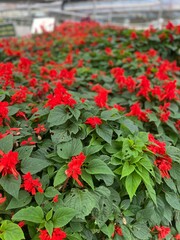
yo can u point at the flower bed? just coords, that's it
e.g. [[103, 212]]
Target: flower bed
[[89, 138]]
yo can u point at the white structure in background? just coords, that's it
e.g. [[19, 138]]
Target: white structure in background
[[40, 25]]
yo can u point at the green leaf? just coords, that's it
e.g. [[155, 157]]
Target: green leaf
[[130, 125], [6, 143], [105, 132], [87, 178], [63, 216], [11, 231], [58, 116], [31, 214], [90, 150], [141, 231], [49, 227], [97, 166], [68, 149], [24, 152], [108, 230], [110, 115], [132, 182], [51, 192], [12, 110], [11, 185], [82, 201], [34, 165], [60, 176], [23, 200], [173, 200], [127, 169]]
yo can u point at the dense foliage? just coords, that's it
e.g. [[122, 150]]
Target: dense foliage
[[89, 134]]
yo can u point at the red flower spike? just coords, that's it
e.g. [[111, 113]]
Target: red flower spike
[[55, 199], [93, 121], [57, 234], [164, 164], [162, 231], [3, 112], [74, 167], [40, 129], [28, 142], [8, 162], [2, 199], [177, 237], [31, 185]]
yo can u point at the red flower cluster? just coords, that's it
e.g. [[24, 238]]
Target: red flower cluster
[[60, 96], [144, 88], [162, 231], [93, 121], [57, 234], [40, 129], [28, 142], [2, 199], [164, 112], [102, 97], [20, 95], [67, 77], [177, 125], [74, 167], [6, 73], [31, 185], [123, 81], [3, 112], [118, 231], [163, 162], [8, 162], [137, 112]]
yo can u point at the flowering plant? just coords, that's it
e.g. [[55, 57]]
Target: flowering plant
[[89, 134]]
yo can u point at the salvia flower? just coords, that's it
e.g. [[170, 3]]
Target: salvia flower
[[162, 231], [74, 167], [93, 121], [57, 234], [8, 162], [2, 199], [31, 185], [164, 164], [40, 129], [3, 112]]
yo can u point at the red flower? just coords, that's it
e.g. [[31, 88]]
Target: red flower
[[31, 185], [3, 112], [40, 129], [119, 107], [162, 231], [177, 125], [21, 224], [177, 237], [2, 199], [21, 114], [164, 164], [60, 96], [55, 199], [156, 146], [133, 35], [137, 112], [102, 97], [8, 162], [93, 121], [57, 234], [20, 95], [74, 167], [67, 76], [144, 87], [28, 142], [118, 231]]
